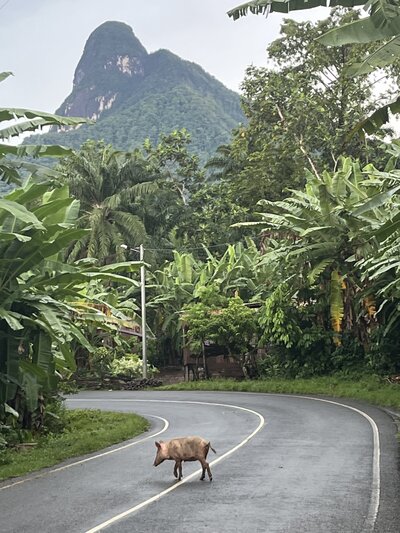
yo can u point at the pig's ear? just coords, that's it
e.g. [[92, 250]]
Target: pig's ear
[[158, 445]]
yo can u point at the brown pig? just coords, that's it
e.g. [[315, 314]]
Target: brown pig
[[184, 449]]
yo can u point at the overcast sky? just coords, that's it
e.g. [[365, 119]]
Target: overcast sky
[[41, 41]]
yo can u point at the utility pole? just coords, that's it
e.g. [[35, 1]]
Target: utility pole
[[143, 302]]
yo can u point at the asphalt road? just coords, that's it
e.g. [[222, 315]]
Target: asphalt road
[[284, 464]]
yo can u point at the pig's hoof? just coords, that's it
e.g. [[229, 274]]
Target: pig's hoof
[[202, 479], [210, 479]]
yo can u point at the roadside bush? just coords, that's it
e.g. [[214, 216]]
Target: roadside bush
[[100, 360], [309, 357], [279, 319], [349, 357], [55, 416], [12, 434], [383, 356], [299, 346], [68, 386], [130, 366], [48, 418], [271, 365]]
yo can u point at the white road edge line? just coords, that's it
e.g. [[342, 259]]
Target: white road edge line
[[370, 520], [132, 510], [369, 523], [81, 461]]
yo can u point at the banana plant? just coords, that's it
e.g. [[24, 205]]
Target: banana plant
[[185, 280], [318, 234], [13, 122], [42, 308], [382, 270], [169, 290]]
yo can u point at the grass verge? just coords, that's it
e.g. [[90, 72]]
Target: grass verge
[[371, 389], [86, 431]]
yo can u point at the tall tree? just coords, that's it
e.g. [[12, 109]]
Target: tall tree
[[381, 26], [179, 177], [300, 111]]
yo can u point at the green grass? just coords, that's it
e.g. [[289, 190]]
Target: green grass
[[371, 389], [87, 431]]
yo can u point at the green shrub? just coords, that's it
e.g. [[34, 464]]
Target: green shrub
[[383, 356], [279, 319], [55, 416], [349, 357], [130, 366], [233, 326], [298, 345], [68, 386], [100, 360], [3, 442]]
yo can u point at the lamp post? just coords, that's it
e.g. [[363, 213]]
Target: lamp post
[[143, 304]]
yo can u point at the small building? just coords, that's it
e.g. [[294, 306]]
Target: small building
[[214, 362]]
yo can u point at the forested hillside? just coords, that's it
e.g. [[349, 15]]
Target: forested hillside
[[133, 95]]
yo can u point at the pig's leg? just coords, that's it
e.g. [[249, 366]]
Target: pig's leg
[[209, 472], [204, 463], [176, 469], [180, 470], [203, 474], [205, 466]]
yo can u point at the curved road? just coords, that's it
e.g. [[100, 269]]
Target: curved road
[[284, 464]]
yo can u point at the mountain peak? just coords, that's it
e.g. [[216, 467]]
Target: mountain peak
[[109, 41], [134, 95], [112, 61]]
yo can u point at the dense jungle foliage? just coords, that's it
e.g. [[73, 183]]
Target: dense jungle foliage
[[286, 240]]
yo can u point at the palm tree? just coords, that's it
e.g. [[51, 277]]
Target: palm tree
[[107, 183], [223, 163]]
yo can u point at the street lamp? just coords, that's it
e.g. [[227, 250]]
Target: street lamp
[[143, 304]]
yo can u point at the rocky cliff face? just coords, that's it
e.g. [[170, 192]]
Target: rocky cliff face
[[133, 95], [112, 63]]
